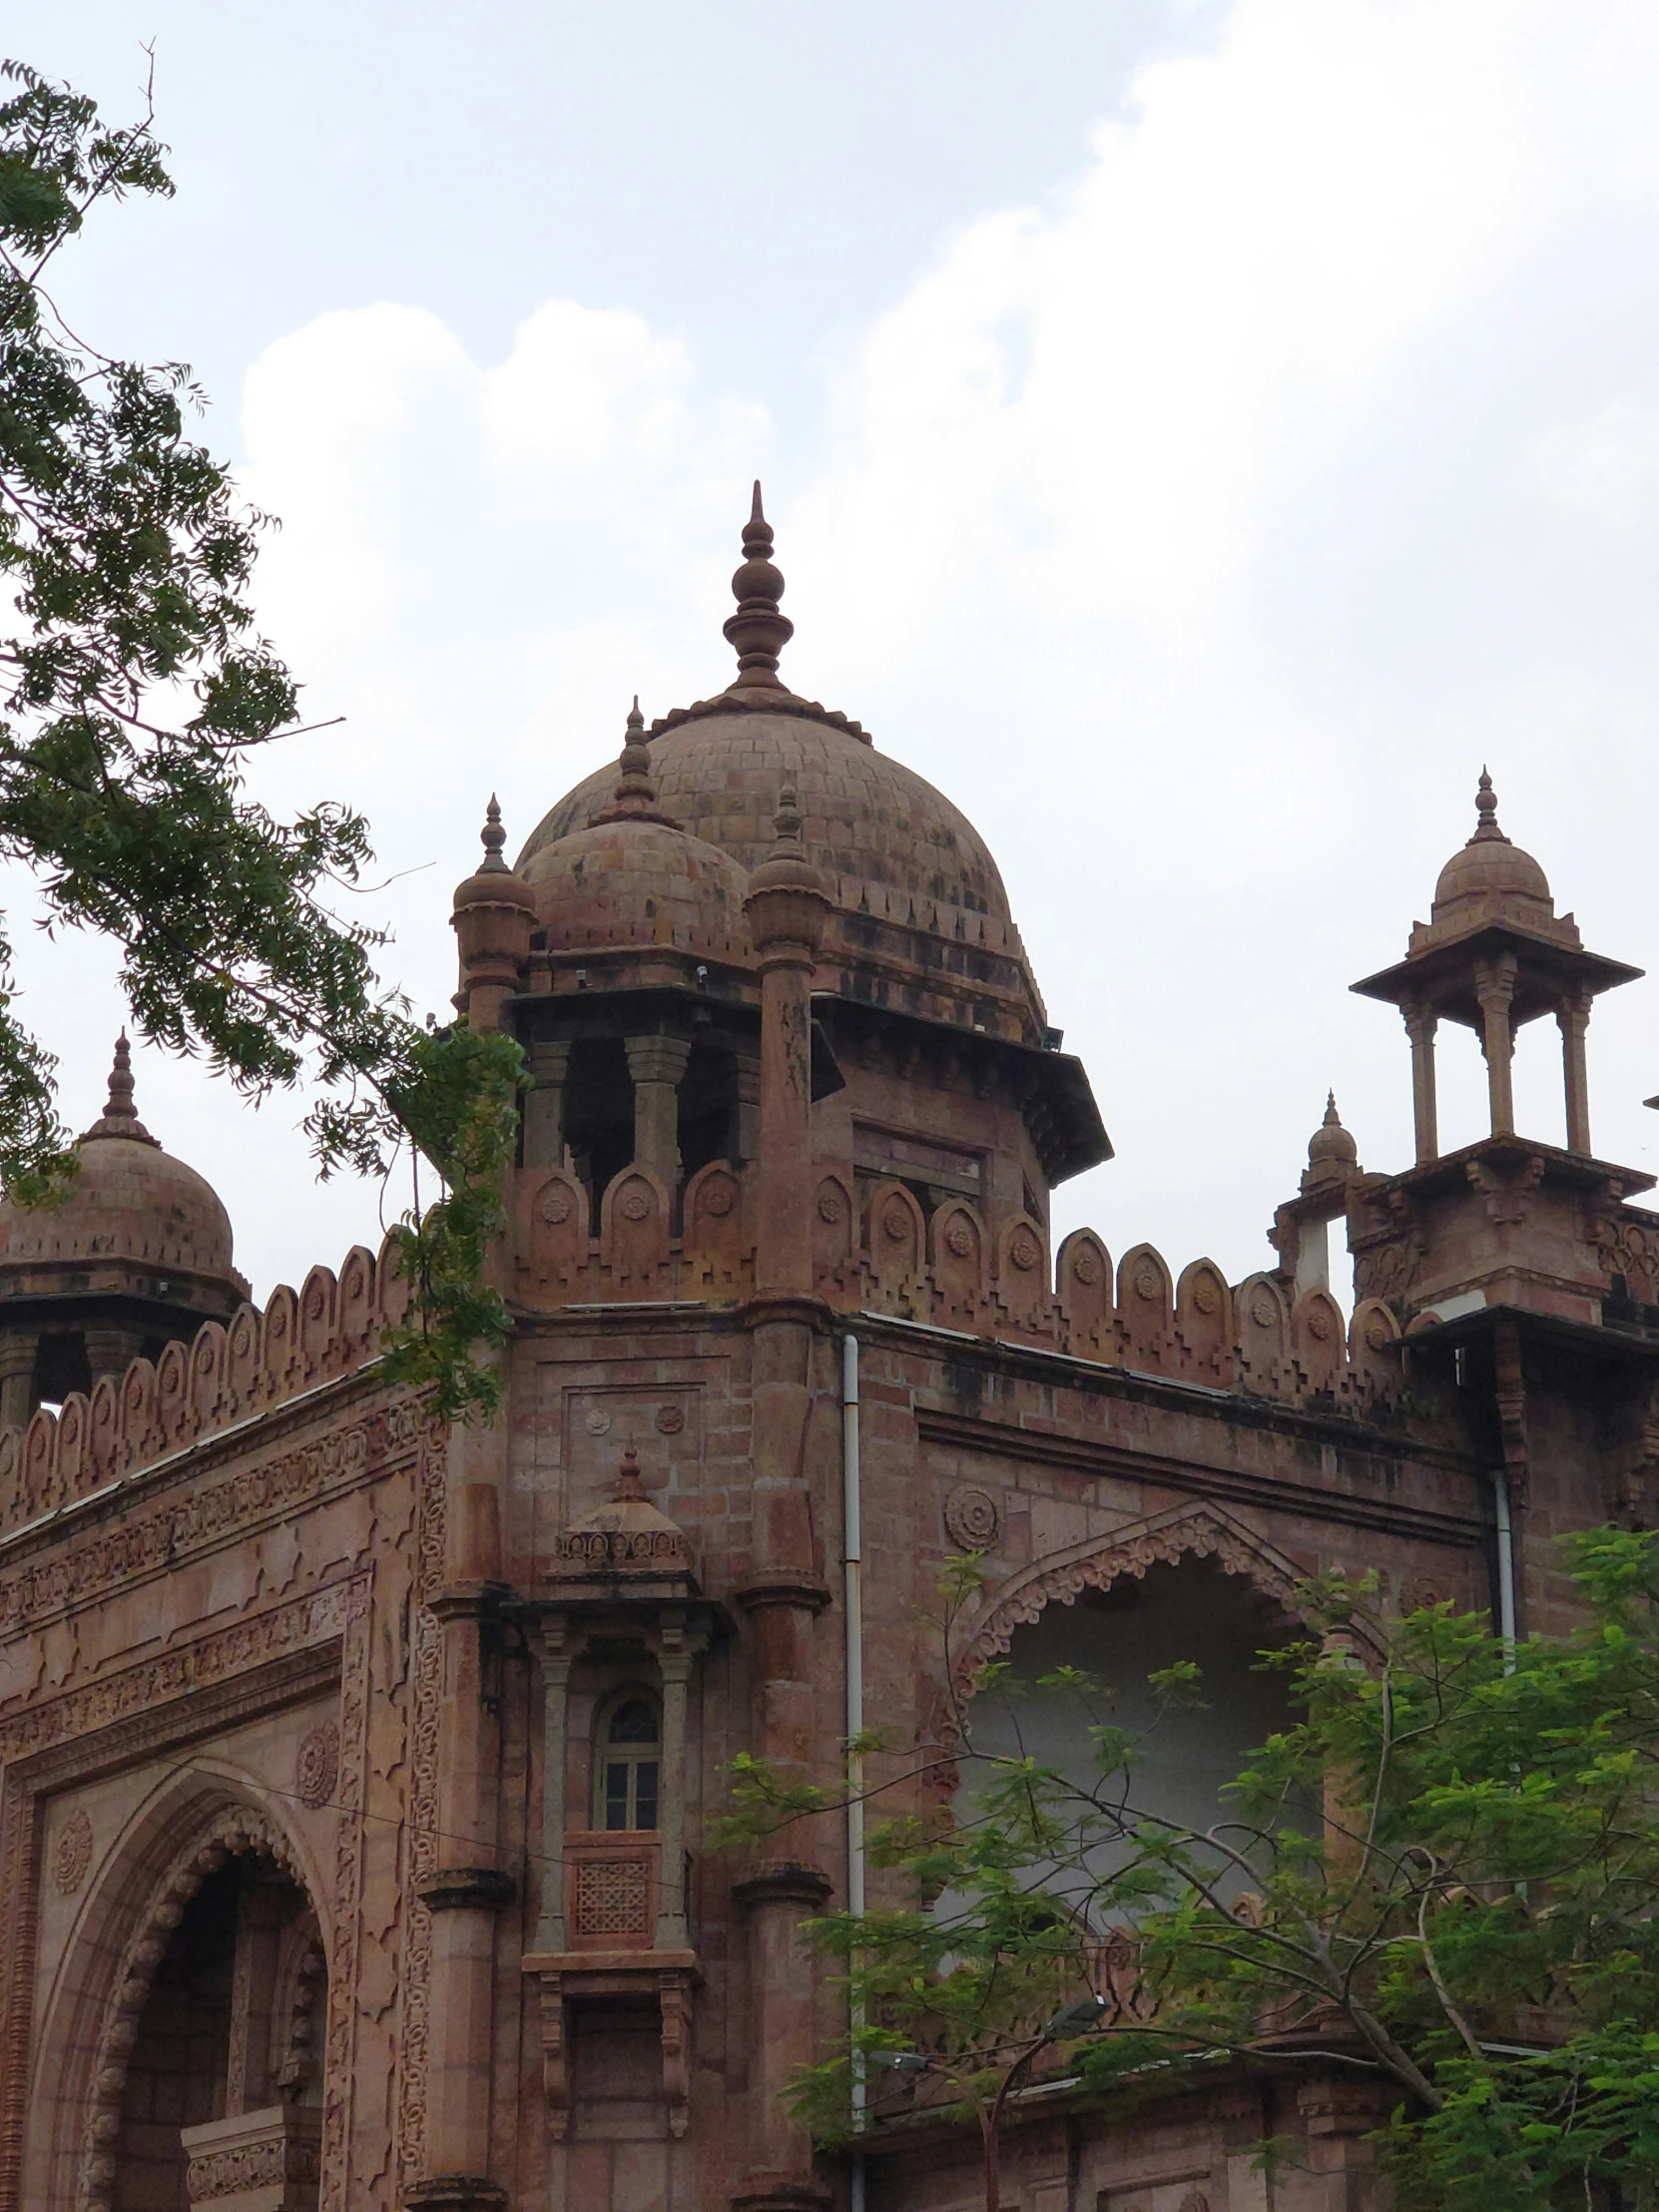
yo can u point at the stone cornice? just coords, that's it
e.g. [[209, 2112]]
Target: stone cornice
[[1316, 1499]]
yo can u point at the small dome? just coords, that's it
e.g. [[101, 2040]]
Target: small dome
[[1490, 865], [131, 1200], [628, 878], [628, 1511], [1332, 1146]]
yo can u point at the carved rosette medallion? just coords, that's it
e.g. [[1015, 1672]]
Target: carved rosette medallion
[[634, 1205], [828, 1207], [1085, 1266], [554, 1205], [670, 1420], [1261, 1311], [1149, 1284], [973, 1517], [72, 1854], [316, 1768], [896, 1223], [1024, 1251], [1206, 1295], [958, 1239]]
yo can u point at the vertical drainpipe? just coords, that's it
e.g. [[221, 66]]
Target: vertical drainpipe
[[1505, 1568], [853, 1546]]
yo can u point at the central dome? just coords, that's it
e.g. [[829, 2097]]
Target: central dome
[[865, 818], [922, 915]]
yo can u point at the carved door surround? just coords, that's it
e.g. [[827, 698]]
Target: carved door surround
[[178, 1703]]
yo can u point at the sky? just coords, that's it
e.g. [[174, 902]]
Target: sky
[[1199, 438]]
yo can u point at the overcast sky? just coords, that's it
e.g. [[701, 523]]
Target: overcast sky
[[1198, 438]]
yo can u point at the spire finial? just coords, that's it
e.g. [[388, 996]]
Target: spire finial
[[759, 630], [119, 1104], [634, 796], [120, 1115], [493, 838], [630, 1484], [1332, 1120], [1486, 829]]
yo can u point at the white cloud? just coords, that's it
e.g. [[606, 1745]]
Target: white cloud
[[1602, 469], [1198, 531]]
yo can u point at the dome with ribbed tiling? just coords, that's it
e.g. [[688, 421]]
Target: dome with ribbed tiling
[[867, 820], [921, 917]]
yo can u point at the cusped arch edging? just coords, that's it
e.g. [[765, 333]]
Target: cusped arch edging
[[1199, 1531], [232, 1830]]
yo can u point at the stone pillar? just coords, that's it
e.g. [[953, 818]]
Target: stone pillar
[[112, 1351], [557, 1658], [675, 1653], [494, 918], [18, 1352], [657, 1065], [1421, 1025], [1572, 1014], [1495, 986], [468, 1889], [544, 1107], [787, 909], [745, 1137]]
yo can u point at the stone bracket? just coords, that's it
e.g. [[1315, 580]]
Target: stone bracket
[[568, 1977], [455, 1888]]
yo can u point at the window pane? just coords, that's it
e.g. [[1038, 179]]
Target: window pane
[[615, 1793], [634, 1723], [645, 1793]]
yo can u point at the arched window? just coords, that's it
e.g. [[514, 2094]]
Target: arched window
[[627, 1763]]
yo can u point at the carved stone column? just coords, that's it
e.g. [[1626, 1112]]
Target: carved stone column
[[557, 1658], [468, 1888], [544, 1107], [657, 1065], [787, 909], [18, 1352], [745, 1140], [1572, 1014], [249, 2085], [1495, 986], [676, 1652], [1421, 1025]]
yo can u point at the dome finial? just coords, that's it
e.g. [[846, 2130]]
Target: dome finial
[[120, 1115], [1330, 1149], [492, 836], [786, 825], [634, 796], [630, 1484], [1486, 829], [759, 630]]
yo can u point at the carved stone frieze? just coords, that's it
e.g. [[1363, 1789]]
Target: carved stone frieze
[[208, 1513]]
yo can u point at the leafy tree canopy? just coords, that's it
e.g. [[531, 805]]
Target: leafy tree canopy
[[132, 689], [1443, 1877]]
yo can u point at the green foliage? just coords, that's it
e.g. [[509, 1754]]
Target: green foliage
[[1443, 1876], [132, 691]]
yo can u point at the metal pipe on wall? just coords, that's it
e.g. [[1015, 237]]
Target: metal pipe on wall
[[853, 1551], [1505, 1567]]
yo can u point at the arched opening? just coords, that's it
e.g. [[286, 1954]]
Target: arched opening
[[599, 1112], [226, 2051], [1118, 1636], [708, 1110]]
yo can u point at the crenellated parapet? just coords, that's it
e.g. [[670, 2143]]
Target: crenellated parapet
[[879, 1252], [228, 1375]]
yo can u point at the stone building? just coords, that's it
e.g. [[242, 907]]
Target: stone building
[[356, 1776]]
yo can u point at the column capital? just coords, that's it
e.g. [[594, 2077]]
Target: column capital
[[656, 1059]]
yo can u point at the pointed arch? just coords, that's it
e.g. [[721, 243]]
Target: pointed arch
[[196, 1820], [1201, 1529]]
